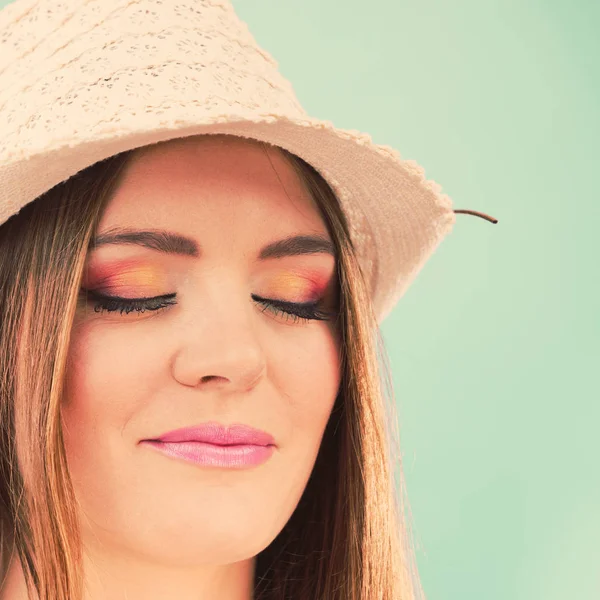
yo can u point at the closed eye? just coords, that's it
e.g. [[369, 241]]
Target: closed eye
[[297, 312]]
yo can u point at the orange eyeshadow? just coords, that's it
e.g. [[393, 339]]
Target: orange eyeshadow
[[125, 277], [294, 288], [132, 277]]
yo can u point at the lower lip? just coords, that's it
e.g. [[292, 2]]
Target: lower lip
[[211, 455]]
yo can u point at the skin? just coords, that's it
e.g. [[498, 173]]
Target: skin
[[157, 527]]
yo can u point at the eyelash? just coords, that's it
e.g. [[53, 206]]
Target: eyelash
[[292, 310]]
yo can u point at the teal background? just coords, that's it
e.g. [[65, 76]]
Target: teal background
[[494, 348]]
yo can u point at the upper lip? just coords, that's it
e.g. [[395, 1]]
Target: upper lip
[[220, 435]]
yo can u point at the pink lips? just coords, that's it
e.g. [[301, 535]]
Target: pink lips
[[212, 444], [214, 433]]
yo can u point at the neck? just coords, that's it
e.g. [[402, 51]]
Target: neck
[[135, 580]]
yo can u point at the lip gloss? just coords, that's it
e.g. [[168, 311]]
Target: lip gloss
[[211, 455]]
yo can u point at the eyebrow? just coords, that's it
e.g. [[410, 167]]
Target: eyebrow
[[172, 243]]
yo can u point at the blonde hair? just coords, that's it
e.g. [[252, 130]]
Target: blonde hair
[[349, 536]]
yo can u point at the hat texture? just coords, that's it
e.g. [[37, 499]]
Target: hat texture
[[82, 80]]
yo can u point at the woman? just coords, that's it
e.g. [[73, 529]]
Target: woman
[[192, 273]]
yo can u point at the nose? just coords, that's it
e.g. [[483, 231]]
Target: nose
[[220, 351]]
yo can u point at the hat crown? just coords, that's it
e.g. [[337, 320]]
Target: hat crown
[[50, 51]]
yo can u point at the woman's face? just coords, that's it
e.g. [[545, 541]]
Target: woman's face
[[216, 354]]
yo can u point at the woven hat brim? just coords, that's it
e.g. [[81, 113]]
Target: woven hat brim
[[397, 217]]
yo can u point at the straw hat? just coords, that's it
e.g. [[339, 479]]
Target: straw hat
[[82, 80]]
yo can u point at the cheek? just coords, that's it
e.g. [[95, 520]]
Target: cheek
[[307, 375], [107, 380]]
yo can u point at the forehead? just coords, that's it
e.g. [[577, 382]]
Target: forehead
[[212, 180]]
